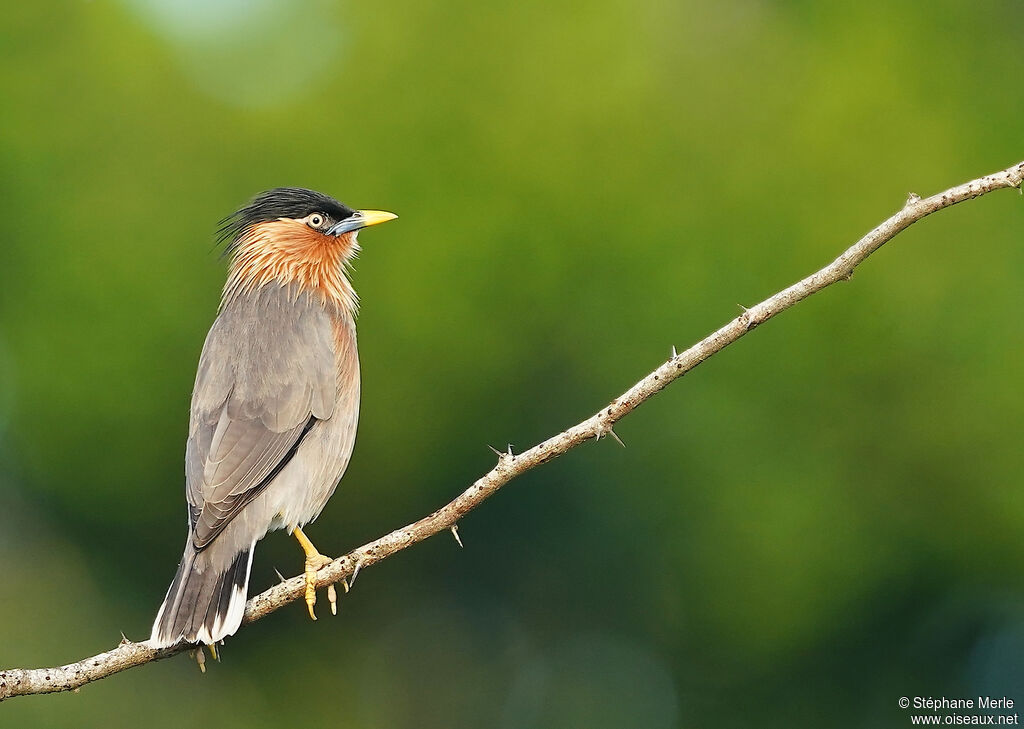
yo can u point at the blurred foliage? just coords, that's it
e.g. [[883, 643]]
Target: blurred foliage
[[822, 519]]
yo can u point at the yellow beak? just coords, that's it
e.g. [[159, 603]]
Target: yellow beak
[[373, 217], [360, 219]]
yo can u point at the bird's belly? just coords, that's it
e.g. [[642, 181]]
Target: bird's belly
[[299, 493]]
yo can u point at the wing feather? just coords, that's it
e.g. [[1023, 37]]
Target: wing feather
[[266, 376]]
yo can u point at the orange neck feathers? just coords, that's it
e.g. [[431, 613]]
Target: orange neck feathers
[[290, 252]]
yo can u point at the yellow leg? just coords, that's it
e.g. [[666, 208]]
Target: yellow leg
[[314, 561]]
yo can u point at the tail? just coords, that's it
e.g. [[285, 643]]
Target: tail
[[203, 604]]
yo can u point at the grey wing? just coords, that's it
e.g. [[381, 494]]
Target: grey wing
[[267, 374]]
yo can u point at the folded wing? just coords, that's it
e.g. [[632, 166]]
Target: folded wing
[[266, 377]]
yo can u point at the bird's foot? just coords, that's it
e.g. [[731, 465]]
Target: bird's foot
[[313, 564], [315, 561]]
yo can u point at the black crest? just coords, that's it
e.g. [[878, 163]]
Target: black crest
[[281, 202]]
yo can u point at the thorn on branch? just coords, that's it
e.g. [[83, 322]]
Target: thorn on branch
[[455, 533], [504, 457], [747, 319], [674, 352], [279, 575], [604, 429], [912, 198]]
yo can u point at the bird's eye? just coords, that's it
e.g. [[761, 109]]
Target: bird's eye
[[316, 220]]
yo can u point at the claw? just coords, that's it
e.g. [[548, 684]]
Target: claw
[[310, 590], [332, 597], [314, 561], [313, 564]]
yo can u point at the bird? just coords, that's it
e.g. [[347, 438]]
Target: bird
[[275, 405]]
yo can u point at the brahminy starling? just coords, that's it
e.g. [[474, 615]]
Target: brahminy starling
[[275, 404]]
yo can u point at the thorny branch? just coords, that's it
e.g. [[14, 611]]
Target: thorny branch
[[19, 682]]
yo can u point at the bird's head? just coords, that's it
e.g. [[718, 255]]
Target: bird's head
[[291, 235]]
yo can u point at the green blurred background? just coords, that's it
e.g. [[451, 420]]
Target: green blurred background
[[820, 520]]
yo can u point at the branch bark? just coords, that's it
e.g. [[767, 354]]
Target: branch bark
[[20, 682]]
